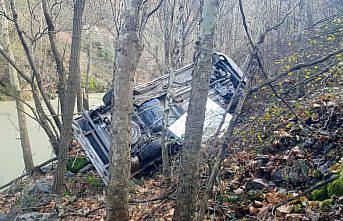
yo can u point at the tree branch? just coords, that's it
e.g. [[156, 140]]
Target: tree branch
[[295, 68]]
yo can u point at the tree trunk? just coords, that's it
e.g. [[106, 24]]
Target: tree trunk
[[35, 72], [187, 189], [308, 5], [166, 107], [86, 95], [301, 28], [127, 54], [57, 57], [73, 84], [79, 98], [24, 136]]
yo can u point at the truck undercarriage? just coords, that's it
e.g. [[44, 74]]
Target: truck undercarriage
[[91, 129]]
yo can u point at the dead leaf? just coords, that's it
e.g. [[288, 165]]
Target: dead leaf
[[285, 209], [238, 191], [253, 210], [272, 198]]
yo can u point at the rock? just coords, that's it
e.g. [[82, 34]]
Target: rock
[[339, 200], [325, 167], [46, 168], [298, 173], [282, 191], [69, 174], [271, 184], [326, 147], [41, 186], [277, 176], [33, 216], [256, 184], [309, 142], [3, 217]]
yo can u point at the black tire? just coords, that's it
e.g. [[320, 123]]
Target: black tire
[[107, 98]]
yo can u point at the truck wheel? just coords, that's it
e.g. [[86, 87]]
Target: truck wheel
[[107, 98], [135, 132]]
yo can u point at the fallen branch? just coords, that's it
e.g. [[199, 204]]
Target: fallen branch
[[133, 201], [28, 173], [306, 192]]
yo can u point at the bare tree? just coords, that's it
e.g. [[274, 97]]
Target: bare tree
[[24, 136], [125, 66], [187, 189], [72, 86]]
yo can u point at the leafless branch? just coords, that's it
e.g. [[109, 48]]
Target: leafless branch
[[295, 68]]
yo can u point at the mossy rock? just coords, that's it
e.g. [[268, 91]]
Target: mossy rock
[[326, 204], [336, 188], [77, 163], [320, 194]]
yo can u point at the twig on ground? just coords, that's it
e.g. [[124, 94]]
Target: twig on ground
[[306, 192], [133, 201]]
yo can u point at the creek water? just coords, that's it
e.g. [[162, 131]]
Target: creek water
[[11, 159]]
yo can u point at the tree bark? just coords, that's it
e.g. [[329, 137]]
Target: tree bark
[[125, 65], [308, 5], [86, 94], [187, 189], [166, 107], [73, 84], [24, 136], [301, 28]]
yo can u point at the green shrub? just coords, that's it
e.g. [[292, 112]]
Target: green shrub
[[320, 194], [95, 86], [75, 164], [93, 181]]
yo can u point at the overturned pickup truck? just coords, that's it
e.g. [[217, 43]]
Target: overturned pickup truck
[[91, 129]]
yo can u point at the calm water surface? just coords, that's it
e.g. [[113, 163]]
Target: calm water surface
[[11, 160]]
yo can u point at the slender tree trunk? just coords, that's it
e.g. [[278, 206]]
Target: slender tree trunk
[[127, 54], [301, 28], [187, 189], [79, 99], [73, 84], [35, 72], [86, 95], [165, 155], [57, 57], [24, 136], [308, 5]]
